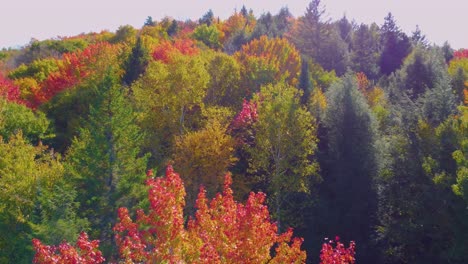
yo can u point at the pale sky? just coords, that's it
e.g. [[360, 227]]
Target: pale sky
[[21, 20]]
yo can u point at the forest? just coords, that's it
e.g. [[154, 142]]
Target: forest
[[254, 139]]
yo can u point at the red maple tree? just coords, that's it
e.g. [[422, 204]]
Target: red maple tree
[[337, 254], [9, 90], [166, 49], [223, 230], [85, 252]]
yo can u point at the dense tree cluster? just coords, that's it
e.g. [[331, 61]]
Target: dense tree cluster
[[339, 130]]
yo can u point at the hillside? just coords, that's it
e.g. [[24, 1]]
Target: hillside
[[299, 129]]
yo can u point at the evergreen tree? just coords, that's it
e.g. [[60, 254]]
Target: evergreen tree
[[105, 162], [418, 38], [350, 162], [365, 51], [395, 44], [149, 22], [173, 28], [346, 29], [207, 18], [304, 82], [312, 30], [136, 63]]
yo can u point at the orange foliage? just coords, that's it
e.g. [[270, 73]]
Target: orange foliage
[[277, 53], [222, 231], [165, 50], [73, 69], [363, 82]]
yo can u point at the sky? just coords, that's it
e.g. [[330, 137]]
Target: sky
[[22, 20]]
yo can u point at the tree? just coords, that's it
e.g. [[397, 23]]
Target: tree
[[166, 49], [15, 118], [346, 29], [395, 46], [136, 63], [125, 34], [331, 254], [149, 22], [267, 61], [84, 252], [207, 18], [169, 98], [349, 163], [418, 38], [285, 142], [105, 159], [460, 155], [209, 35], [30, 176], [204, 157], [224, 85], [8, 90], [222, 231], [365, 51], [304, 82], [312, 30]]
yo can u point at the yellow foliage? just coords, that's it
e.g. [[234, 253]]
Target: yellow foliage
[[375, 97], [204, 157], [318, 101]]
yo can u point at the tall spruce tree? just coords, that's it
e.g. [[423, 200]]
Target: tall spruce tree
[[104, 160], [395, 46], [304, 82], [136, 63], [349, 163]]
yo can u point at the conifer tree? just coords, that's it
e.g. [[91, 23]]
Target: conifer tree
[[104, 160], [136, 63]]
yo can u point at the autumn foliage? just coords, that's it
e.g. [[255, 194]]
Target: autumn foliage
[[277, 56], [9, 90], [166, 49], [334, 252], [241, 126], [85, 252], [73, 69], [460, 54], [222, 230]]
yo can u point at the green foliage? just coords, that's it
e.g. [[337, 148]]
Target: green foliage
[[15, 118], [350, 163], [209, 35], [136, 63], [224, 85], [38, 69], [395, 46], [304, 82], [124, 34], [460, 155], [365, 51], [285, 141], [105, 159], [31, 177]]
